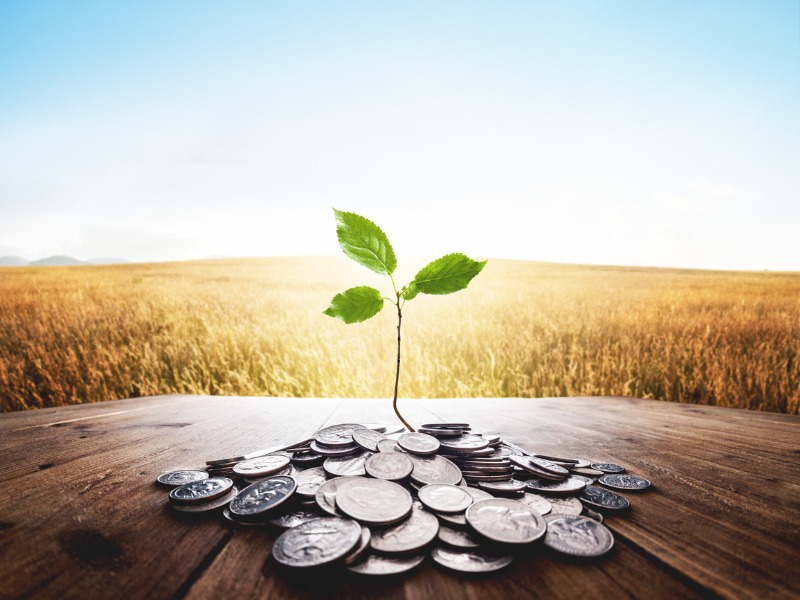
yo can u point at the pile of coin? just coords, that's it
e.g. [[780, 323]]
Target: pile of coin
[[380, 502]]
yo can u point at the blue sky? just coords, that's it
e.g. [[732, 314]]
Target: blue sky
[[633, 132]]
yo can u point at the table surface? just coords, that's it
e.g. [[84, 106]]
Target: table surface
[[82, 517]]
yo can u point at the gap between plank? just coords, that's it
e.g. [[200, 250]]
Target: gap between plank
[[209, 558]]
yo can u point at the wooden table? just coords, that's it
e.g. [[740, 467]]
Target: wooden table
[[81, 516]]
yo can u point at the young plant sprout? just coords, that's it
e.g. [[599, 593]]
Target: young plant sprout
[[367, 244]]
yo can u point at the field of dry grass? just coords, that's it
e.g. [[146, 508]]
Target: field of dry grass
[[255, 327]]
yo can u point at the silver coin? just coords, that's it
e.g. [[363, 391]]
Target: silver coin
[[434, 469], [418, 443], [316, 542], [201, 491], [608, 467], [445, 426], [307, 459], [473, 561], [619, 481], [548, 466], [411, 535], [392, 466], [565, 506], [603, 499], [538, 503], [367, 439], [592, 514], [361, 548], [387, 445], [294, 518], [445, 498], [346, 466], [509, 486], [457, 538], [334, 450], [506, 521], [265, 465], [530, 467], [373, 501], [478, 494], [325, 496], [492, 438], [570, 485], [578, 536], [375, 564], [439, 433], [457, 520], [555, 458], [586, 472], [226, 512], [262, 496], [202, 507], [308, 481], [178, 478], [580, 464], [337, 435], [468, 442]]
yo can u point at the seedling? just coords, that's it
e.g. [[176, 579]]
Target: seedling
[[367, 244]]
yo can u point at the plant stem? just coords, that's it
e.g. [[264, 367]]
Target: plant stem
[[397, 374]]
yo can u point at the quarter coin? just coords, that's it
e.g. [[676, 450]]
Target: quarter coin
[[264, 495], [506, 521], [294, 518], [509, 486], [473, 561], [603, 499], [538, 503], [565, 506], [570, 485], [457, 538], [361, 548], [325, 495], [434, 469], [178, 478], [608, 467], [308, 481], [264, 465], [387, 445], [578, 536], [346, 466], [367, 439], [316, 542], [375, 564], [411, 535], [337, 435], [392, 466], [418, 443], [373, 501], [202, 490], [625, 482], [468, 442], [207, 506], [445, 498]]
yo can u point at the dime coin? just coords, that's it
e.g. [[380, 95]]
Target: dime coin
[[565, 506], [294, 518], [413, 534], [178, 478], [346, 466], [264, 495], [538, 503], [506, 521], [374, 564], [373, 501], [207, 506], [325, 495], [316, 542], [603, 499], [418, 443], [367, 439], [361, 548], [308, 481], [608, 467], [456, 538], [510, 486], [577, 536], [387, 445], [202, 490], [445, 498], [473, 561], [434, 469], [557, 488], [625, 482], [337, 435], [392, 466], [265, 465]]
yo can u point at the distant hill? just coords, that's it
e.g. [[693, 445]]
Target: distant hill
[[12, 261], [57, 261]]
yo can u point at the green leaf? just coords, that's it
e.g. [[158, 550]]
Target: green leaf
[[365, 242], [356, 304], [447, 274], [409, 292]]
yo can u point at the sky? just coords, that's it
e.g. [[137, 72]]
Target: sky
[[650, 133]]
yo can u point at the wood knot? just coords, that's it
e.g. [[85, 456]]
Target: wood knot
[[92, 548]]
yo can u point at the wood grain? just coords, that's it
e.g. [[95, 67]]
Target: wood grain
[[80, 515]]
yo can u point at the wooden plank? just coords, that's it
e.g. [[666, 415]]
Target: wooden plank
[[722, 519]]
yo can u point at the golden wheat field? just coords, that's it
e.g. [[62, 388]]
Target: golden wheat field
[[255, 327]]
